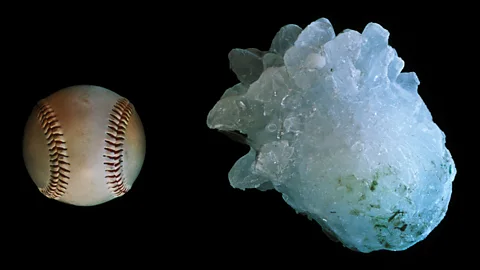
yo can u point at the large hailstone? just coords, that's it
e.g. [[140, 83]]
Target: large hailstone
[[334, 126]]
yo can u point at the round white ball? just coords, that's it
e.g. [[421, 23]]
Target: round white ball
[[84, 145]]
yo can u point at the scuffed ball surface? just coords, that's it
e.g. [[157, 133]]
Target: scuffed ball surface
[[336, 127]]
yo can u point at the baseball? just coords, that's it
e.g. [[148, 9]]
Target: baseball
[[84, 145]]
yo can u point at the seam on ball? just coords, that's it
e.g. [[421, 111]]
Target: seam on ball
[[57, 148], [117, 128]]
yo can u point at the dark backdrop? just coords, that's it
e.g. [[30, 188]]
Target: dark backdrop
[[172, 64]]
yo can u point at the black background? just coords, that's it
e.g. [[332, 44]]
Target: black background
[[172, 64]]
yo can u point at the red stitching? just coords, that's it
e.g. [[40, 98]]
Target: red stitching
[[57, 147], [115, 139]]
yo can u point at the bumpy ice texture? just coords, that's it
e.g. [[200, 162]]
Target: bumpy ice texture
[[334, 126]]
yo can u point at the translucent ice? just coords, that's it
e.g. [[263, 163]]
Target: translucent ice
[[334, 126]]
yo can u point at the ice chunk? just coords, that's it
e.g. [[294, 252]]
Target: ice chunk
[[337, 128]]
